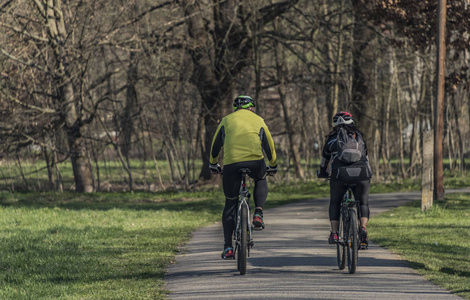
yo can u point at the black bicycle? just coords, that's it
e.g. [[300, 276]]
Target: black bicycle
[[243, 233], [348, 231]]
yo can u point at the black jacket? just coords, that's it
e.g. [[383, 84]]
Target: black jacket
[[330, 152]]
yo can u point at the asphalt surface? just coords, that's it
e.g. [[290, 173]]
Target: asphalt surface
[[291, 259]]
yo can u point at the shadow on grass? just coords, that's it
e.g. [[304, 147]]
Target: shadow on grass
[[212, 202], [108, 201], [440, 249], [451, 271]]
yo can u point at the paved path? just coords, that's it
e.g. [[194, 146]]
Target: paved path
[[291, 259]]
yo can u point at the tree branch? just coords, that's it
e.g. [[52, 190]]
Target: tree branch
[[18, 30], [30, 106], [29, 64]]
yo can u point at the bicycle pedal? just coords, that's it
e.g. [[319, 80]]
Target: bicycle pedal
[[364, 246], [257, 228]]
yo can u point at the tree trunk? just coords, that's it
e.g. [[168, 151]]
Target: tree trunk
[[154, 157], [363, 67], [294, 149], [49, 166], [82, 173], [400, 126], [386, 126], [205, 78], [130, 110], [290, 131], [97, 167], [60, 183], [53, 14], [459, 133], [20, 168], [334, 63], [220, 48], [439, 103]]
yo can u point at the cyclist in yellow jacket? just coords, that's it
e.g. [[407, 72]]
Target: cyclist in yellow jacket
[[247, 142]]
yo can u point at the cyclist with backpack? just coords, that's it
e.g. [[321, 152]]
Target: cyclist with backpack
[[345, 153], [247, 141]]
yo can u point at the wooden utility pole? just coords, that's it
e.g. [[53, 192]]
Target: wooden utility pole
[[439, 104], [427, 175]]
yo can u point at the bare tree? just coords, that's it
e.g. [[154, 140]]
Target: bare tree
[[220, 45]]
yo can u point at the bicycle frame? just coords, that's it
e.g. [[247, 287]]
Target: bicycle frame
[[350, 213], [349, 203], [243, 202]]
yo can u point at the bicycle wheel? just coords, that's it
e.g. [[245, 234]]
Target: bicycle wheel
[[341, 246], [243, 247], [353, 242]]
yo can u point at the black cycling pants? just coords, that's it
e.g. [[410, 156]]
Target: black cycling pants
[[361, 193], [231, 183]]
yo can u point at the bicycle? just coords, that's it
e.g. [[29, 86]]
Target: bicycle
[[243, 233], [348, 231]]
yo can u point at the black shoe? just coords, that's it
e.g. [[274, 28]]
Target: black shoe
[[363, 238]]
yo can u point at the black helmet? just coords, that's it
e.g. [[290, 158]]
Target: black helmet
[[343, 118], [243, 102]]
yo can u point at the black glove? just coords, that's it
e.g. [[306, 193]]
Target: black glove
[[215, 169], [322, 173], [271, 170]]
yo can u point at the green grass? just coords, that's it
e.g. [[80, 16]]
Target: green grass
[[99, 246], [117, 245], [436, 243]]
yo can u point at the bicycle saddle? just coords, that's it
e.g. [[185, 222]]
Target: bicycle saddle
[[244, 170]]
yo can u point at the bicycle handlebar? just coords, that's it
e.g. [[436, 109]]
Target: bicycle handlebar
[[222, 173]]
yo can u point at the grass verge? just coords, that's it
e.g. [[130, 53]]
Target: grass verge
[[115, 245], [96, 246], [436, 243]]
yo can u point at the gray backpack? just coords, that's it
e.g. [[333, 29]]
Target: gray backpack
[[351, 147]]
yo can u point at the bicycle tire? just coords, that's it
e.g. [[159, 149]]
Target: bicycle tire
[[243, 247], [353, 241], [341, 246]]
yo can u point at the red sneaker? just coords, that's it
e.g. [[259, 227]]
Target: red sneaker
[[228, 253], [333, 238], [258, 223]]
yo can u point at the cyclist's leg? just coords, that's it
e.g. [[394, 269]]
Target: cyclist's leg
[[337, 190], [228, 220], [361, 193], [260, 194], [231, 183], [260, 191]]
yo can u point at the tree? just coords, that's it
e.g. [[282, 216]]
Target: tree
[[41, 31], [137, 73], [220, 43], [418, 21]]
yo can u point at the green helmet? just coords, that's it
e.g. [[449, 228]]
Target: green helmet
[[243, 102]]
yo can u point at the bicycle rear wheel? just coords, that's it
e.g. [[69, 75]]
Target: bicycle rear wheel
[[341, 246], [243, 246], [353, 242]]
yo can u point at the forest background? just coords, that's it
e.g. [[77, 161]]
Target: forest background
[[118, 96]]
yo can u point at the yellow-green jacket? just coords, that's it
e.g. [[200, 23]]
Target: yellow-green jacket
[[244, 136]]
